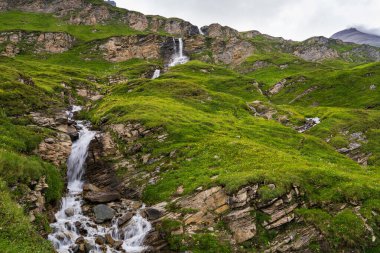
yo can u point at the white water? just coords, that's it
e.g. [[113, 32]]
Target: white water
[[65, 232], [178, 57], [156, 74], [200, 31], [310, 123]]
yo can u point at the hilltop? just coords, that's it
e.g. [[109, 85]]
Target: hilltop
[[256, 144], [358, 37]]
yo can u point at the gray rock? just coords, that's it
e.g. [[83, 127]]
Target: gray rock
[[69, 212], [101, 197], [152, 213], [103, 213], [125, 218]]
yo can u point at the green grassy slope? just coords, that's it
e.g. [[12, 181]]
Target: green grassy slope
[[221, 143], [204, 110]]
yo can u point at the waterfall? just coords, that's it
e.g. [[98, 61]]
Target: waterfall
[[70, 220], [200, 31], [178, 57], [156, 74]]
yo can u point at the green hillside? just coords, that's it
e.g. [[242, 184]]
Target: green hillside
[[204, 109]]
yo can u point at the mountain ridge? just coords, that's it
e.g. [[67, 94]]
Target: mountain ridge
[[356, 36]]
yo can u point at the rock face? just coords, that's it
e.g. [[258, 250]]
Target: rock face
[[239, 212], [321, 48], [353, 150], [316, 49], [218, 31], [118, 49], [86, 13], [35, 199], [99, 171], [56, 150], [35, 42]]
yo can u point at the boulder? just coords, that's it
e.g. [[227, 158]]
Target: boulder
[[103, 213], [125, 218], [100, 240], [153, 213], [69, 212], [101, 197]]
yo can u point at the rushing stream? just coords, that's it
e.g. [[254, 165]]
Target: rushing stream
[[72, 225]]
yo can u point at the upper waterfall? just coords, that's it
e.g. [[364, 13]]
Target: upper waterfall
[[178, 57]]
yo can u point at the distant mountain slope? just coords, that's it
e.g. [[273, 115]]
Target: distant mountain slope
[[358, 37]]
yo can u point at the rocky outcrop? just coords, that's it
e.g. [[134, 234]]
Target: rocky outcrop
[[118, 49], [353, 150], [294, 240], [234, 51], [87, 13], [239, 212], [34, 42], [321, 48], [315, 49], [99, 170], [56, 150], [137, 21], [218, 31], [35, 199], [180, 27]]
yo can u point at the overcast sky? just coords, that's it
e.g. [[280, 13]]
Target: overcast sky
[[291, 19]]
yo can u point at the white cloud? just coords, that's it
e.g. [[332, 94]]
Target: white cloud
[[292, 19]]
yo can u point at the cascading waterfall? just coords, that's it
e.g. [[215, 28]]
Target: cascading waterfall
[[156, 74], [200, 31], [70, 220], [178, 57]]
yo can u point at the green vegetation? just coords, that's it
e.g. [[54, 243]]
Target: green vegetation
[[16, 233], [203, 109], [14, 20]]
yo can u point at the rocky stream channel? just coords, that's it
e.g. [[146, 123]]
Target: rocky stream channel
[[73, 231]]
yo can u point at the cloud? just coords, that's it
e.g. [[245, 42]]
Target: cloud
[[292, 19]]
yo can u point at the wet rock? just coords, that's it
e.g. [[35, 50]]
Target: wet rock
[[70, 212], [109, 240], [101, 197], [103, 213], [80, 240], [100, 240], [90, 188], [125, 218], [153, 214]]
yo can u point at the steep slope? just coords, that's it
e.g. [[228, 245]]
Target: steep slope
[[212, 146], [355, 36]]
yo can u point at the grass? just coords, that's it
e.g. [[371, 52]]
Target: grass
[[203, 108], [17, 235], [219, 142], [15, 20]]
